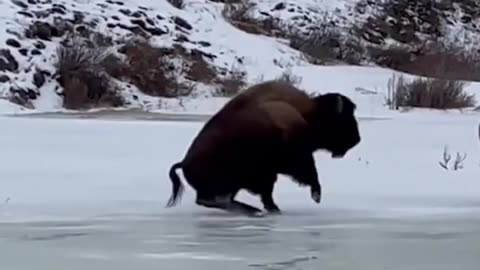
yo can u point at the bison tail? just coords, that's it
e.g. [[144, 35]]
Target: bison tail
[[177, 186]]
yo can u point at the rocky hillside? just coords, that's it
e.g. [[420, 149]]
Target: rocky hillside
[[80, 54]]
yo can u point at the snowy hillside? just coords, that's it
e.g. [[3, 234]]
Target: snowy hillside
[[147, 54]]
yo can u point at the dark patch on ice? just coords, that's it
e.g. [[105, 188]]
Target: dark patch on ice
[[61, 224], [424, 235], [292, 263], [56, 236]]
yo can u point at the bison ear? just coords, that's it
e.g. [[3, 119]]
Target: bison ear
[[339, 104]]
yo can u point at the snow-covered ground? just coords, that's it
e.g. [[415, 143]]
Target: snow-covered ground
[[91, 194], [366, 86], [269, 58], [50, 165]]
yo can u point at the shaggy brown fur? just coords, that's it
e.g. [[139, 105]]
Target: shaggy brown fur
[[269, 128]]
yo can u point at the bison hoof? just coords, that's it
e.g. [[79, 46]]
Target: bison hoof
[[258, 214], [275, 211], [316, 197]]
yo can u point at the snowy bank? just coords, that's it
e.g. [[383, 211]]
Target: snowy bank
[[34, 30]]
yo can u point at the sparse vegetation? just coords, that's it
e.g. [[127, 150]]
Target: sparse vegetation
[[87, 70], [153, 70], [231, 83], [457, 163], [322, 44], [289, 77], [428, 93], [448, 62], [175, 72], [81, 72], [240, 14], [325, 43]]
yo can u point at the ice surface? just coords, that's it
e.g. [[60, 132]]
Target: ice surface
[[334, 239], [90, 194]]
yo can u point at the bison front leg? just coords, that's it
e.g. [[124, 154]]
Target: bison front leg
[[267, 199], [302, 169], [310, 177], [269, 204]]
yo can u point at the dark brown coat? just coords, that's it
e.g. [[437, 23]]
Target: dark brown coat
[[269, 128]]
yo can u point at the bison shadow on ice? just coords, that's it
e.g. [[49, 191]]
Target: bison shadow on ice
[[270, 128]]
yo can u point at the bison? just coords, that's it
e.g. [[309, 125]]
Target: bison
[[270, 128]]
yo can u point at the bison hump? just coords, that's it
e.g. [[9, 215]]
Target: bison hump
[[285, 117]]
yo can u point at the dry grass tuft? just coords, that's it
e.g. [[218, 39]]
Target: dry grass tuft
[[428, 93], [85, 82]]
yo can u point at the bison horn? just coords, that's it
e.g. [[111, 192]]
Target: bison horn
[[339, 104]]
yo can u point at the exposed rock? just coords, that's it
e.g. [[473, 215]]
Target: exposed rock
[[24, 94], [125, 12], [181, 38], [13, 43], [20, 3], [204, 43], [26, 14], [58, 10], [157, 31], [23, 51], [38, 78], [182, 23], [4, 78], [40, 45], [45, 31], [279, 6], [7, 61], [138, 14], [140, 23], [40, 30]]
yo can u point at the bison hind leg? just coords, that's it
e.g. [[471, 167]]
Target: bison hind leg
[[244, 208], [228, 204]]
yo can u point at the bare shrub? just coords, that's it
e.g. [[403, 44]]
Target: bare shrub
[[394, 56], [430, 93], [392, 92], [446, 159], [445, 61], [180, 4], [199, 69], [239, 13], [153, 70], [457, 163], [289, 77], [326, 43], [84, 80], [231, 84]]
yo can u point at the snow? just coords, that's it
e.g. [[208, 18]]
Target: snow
[[87, 167], [269, 58]]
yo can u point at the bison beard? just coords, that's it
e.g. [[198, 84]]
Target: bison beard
[[272, 128]]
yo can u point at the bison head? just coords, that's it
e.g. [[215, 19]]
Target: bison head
[[333, 123]]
